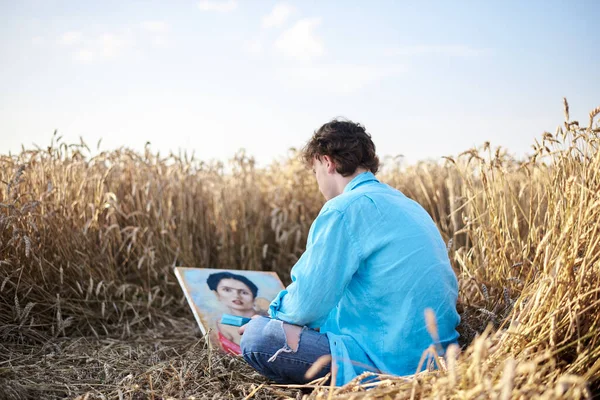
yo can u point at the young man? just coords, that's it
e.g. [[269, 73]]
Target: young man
[[374, 261]]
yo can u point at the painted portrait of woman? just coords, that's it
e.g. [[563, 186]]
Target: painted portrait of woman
[[214, 292], [238, 295]]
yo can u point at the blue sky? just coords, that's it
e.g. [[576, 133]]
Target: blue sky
[[426, 78]]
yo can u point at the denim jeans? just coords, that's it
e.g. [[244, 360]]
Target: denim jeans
[[265, 348]]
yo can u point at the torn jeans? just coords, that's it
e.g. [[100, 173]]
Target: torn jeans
[[265, 348]]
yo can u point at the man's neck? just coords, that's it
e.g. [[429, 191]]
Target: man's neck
[[343, 181]]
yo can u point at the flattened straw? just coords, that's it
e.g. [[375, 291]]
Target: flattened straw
[[253, 392]]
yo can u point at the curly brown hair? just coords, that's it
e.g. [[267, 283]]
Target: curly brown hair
[[347, 143]]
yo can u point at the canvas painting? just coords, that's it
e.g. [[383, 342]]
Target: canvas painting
[[214, 292]]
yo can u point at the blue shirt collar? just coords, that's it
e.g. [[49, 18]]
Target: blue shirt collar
[[360, 179]]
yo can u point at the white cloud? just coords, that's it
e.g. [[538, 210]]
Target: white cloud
[[254, 46], [300, 41], [38, 40], [106, 46], [84, 56], [155, 26], [111, 45], [87, 48], [158, 31], [217, 5], [278, 15], [337, 79], [445, 50], [160, 41], [71, 38]]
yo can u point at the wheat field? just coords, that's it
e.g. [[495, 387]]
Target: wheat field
[[90, 307]]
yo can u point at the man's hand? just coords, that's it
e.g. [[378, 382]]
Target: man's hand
[[242, 328]]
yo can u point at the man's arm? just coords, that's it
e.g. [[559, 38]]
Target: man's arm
[[321, 275]]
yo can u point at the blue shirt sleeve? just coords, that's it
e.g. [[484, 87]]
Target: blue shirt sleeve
[[321, 275]]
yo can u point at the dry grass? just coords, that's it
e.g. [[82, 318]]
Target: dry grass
[[89, 305], [151, 365]]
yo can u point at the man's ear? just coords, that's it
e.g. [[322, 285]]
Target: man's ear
[[329, 164]]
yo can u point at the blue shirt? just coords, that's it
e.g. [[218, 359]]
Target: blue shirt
[[374, 261]]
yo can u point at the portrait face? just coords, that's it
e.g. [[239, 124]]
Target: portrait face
[[235, 294], [325, 179]]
